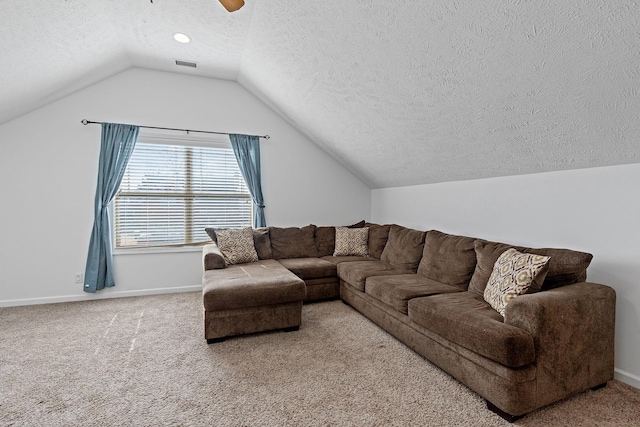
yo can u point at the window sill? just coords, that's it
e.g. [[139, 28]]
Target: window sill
[[158, 250]]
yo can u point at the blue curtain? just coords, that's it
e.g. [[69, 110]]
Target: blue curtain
[[247, 151], [117, 143]]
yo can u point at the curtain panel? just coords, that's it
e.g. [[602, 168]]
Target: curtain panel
[[116, 146], [247, 151]]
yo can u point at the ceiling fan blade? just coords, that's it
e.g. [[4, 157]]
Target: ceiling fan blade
[[232, 5]]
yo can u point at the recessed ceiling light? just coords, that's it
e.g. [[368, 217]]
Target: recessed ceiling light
[[182, 38]]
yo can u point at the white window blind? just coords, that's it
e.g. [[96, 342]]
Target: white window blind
[[170, 193]]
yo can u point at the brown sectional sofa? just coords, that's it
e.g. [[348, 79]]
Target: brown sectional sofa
[[426, 289]]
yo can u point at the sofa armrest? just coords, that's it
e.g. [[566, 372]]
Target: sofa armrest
[[573, 333], [212, 258]]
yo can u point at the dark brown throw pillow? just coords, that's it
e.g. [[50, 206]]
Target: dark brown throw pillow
[[378, 236], [325, 240], [448, 259], [212, 234], [566, 266], [293, 242], [404, 247], [262, 242]]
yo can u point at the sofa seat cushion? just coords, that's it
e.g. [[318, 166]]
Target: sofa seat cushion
[[356, 273], [464, 318], [309, 268], [347, 258], [396, 291], [254, 284]]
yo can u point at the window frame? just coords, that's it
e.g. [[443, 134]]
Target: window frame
[[176, 139]]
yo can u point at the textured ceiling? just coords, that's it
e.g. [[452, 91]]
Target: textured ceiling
[[52, 48], [401, 92]]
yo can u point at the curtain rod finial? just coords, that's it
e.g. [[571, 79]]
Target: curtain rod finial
[[84, 121], [267, 137]]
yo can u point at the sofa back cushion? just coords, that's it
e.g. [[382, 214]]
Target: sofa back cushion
[[448, 259], [404, 247], [565, 266], [293, 242], [378, 236]]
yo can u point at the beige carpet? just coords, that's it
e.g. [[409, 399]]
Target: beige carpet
[[143, 362]]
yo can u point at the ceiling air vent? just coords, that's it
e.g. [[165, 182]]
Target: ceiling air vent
[[186, 63]]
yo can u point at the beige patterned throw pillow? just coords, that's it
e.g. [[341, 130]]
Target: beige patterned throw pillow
[[512, 275], [236, 245], [352, 241]]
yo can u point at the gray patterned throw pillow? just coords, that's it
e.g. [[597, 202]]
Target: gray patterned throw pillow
[[512, 275], [236, 245], [352, 241]]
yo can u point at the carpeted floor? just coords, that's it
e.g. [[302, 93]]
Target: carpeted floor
[[144, 362]]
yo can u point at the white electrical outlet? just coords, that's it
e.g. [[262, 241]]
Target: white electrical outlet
[[78, 278]]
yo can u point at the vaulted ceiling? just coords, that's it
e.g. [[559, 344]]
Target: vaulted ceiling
[[401, 92]]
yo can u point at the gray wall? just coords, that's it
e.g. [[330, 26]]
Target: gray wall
[[48, 167]]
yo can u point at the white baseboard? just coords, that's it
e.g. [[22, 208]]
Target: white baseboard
[[627, 378], [90, 296]]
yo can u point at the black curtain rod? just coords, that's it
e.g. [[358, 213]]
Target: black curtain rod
[[86, 122]]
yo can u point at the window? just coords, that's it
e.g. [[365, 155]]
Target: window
[[170, 193]]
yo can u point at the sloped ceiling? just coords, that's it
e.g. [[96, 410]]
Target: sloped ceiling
[[401, 92]]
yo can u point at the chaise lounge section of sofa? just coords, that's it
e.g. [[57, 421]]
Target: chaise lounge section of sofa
[[427, 290]]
